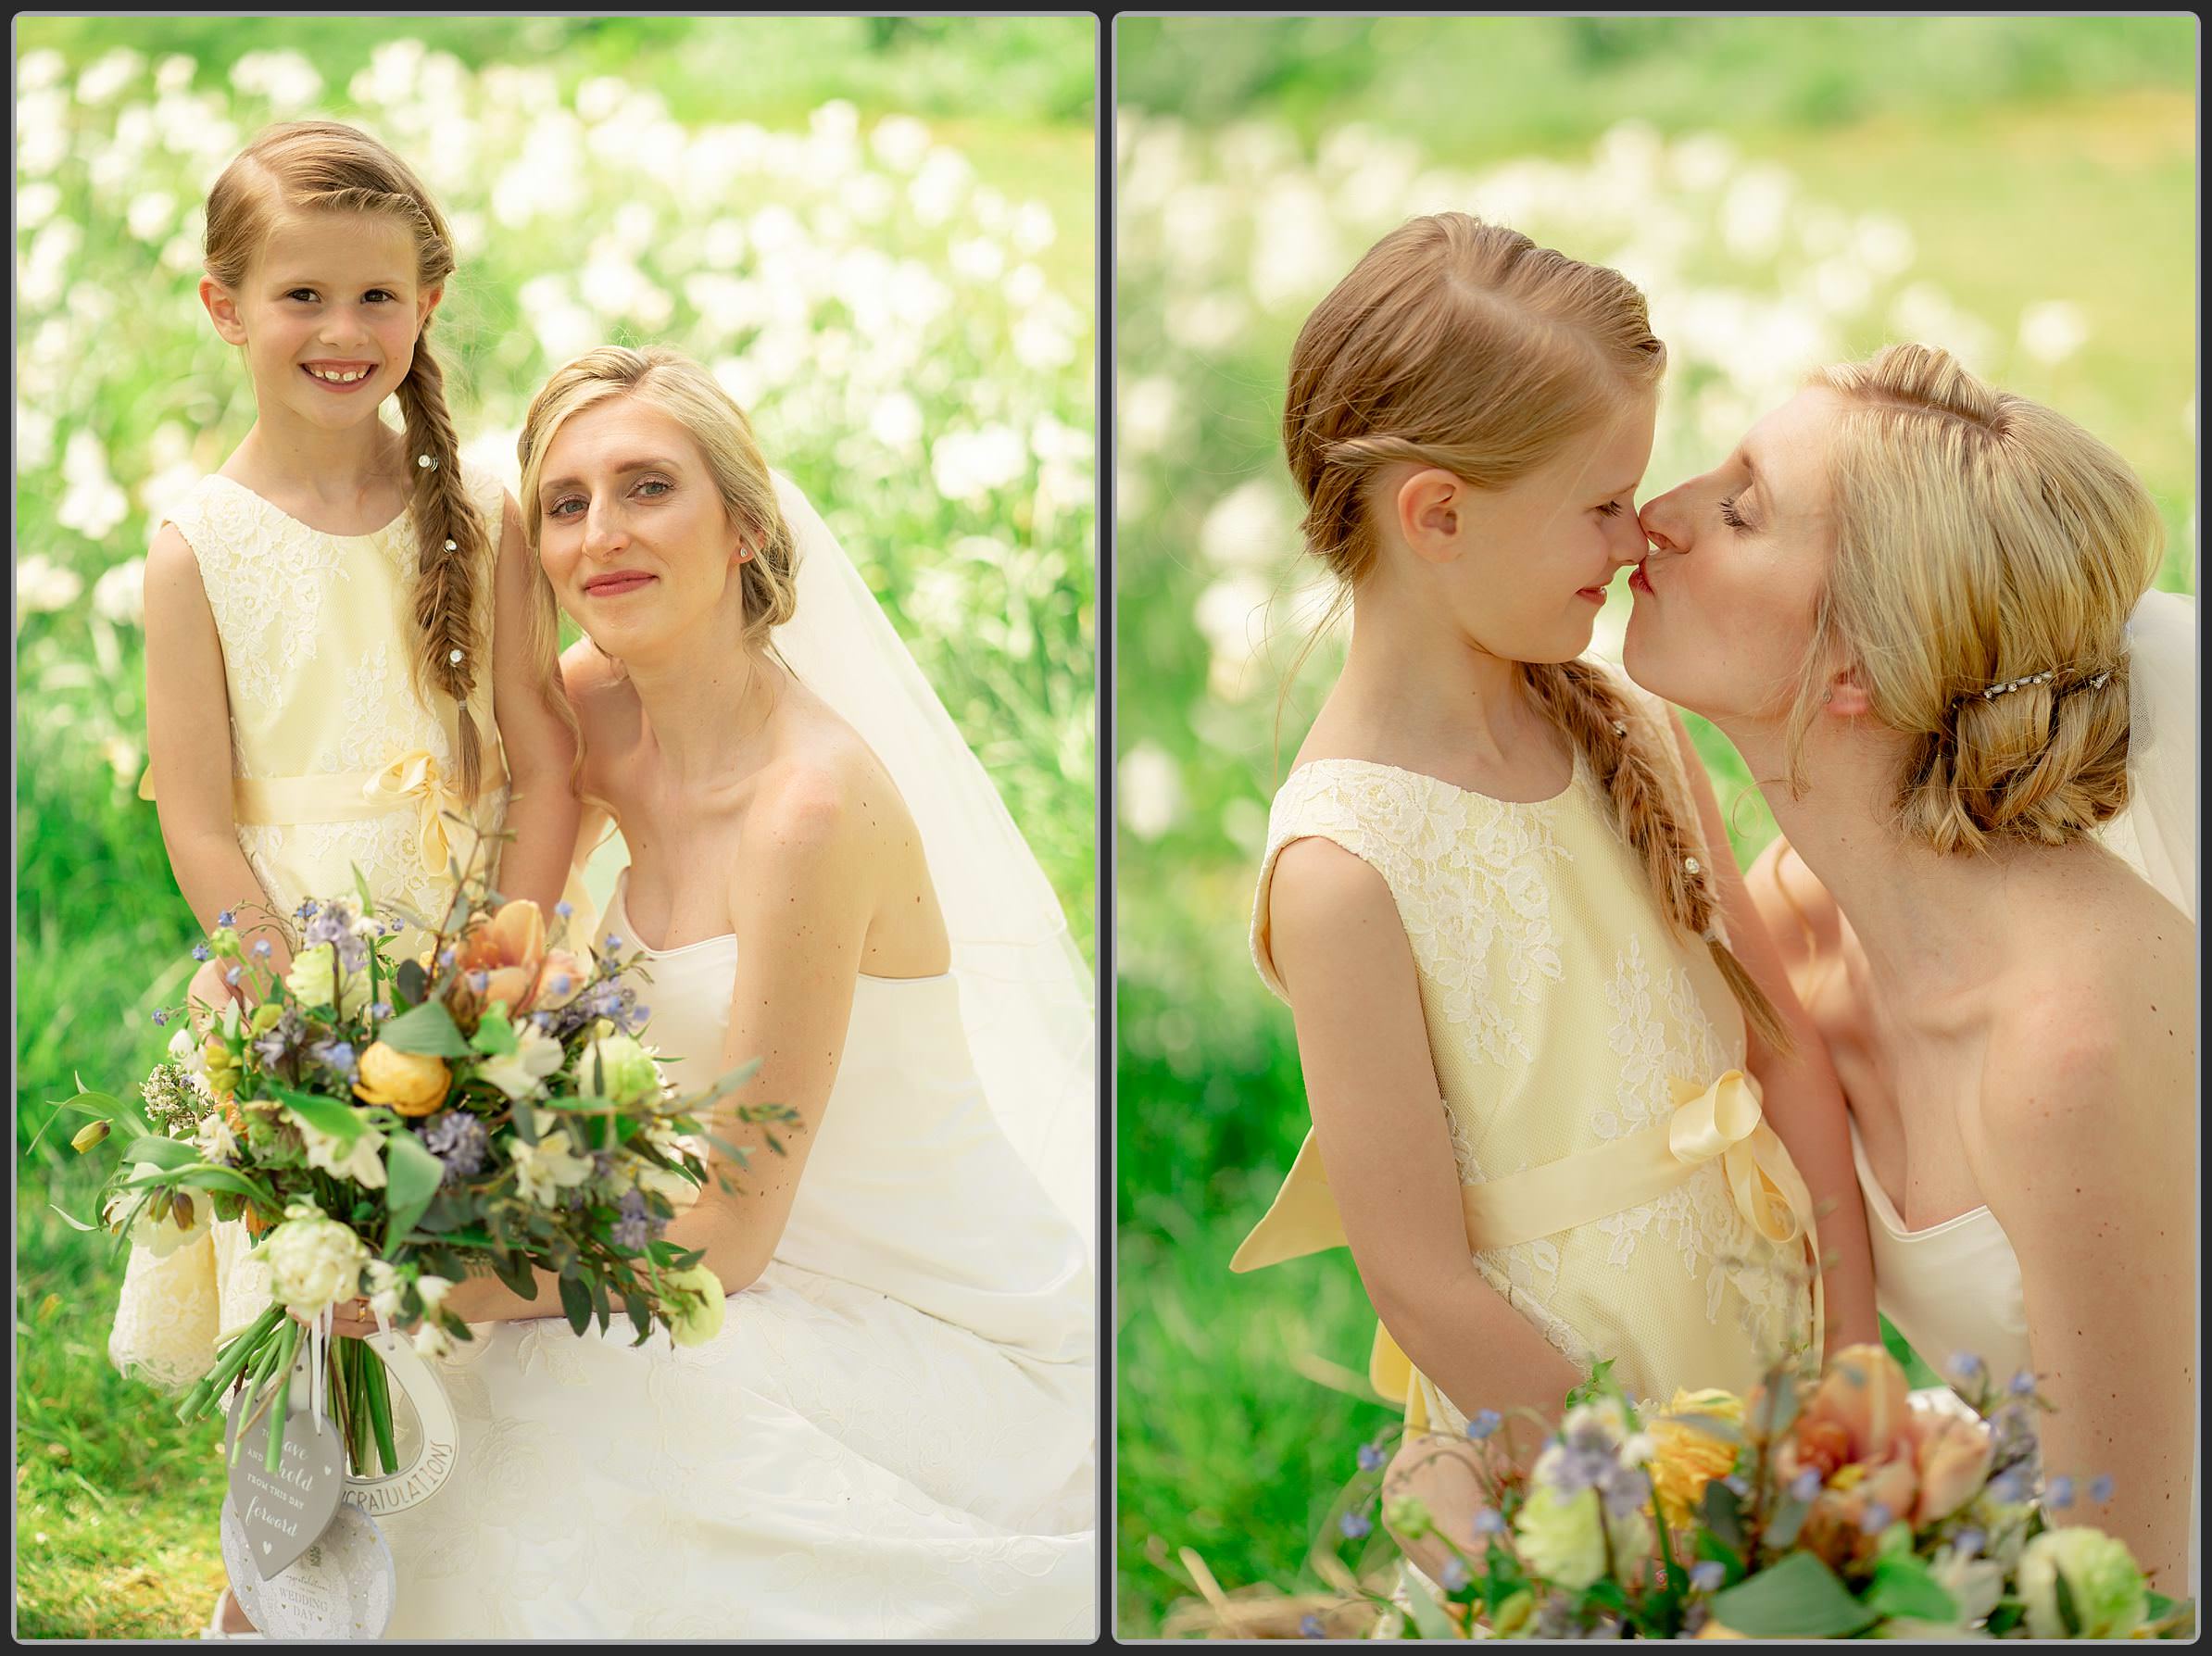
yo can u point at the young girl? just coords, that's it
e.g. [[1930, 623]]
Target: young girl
[[341, 639], [1495, 883]]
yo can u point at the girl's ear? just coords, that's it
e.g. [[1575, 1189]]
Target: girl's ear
[[428, 305], [1431, 507], [222, 310]]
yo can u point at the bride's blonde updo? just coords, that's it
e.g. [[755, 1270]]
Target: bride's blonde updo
[[680, 388], [1983, 541]]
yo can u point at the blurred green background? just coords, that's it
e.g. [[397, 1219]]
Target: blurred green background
[[880, 234], [1789, 192]]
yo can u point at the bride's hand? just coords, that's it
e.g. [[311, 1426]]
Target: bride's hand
[[350, 1319]]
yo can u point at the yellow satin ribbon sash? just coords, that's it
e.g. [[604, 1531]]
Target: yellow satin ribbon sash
[[1721, 1121], [412, 778]]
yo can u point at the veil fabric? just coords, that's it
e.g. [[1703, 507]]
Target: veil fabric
[[1026, 995], [2157, 834]]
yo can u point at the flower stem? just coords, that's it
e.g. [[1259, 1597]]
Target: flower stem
[[380, 1409], [235, 1356], [280, 1403]]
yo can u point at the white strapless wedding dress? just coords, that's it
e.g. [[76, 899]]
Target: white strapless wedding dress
[[1954, 1290], [894, 1436]]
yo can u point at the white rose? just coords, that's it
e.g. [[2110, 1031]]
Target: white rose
[[359, 1162], [433, 1342], [521, 1073], [433, 1291], [546, 1168], [313, 1261]]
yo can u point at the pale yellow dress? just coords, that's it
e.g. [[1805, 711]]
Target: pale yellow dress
[[337, 763], [1621, 1190]]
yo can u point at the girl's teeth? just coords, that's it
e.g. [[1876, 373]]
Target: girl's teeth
[[338, 379]]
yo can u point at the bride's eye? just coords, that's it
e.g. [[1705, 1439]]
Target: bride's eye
[[1728, 514], [655, 483], [554, 510]]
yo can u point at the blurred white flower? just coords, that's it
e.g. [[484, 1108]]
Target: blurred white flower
[[91, 504], [148, 216], [896, 421], [940, 186], [1147, 413], [119, 595], [1032, 229], [968, 465], [1043, 343], [2052, 331], [600, 96], [1883, 244], [42, 585], [34, 438], [174, 72], [1248, 528], [1151, 790], [41, 131], [39, 70], [1924, 313], [108, 74], [1701, 162], [39, 277], [1231, 614], [1753, 214], [393, 69], [978, 258], [35, 205], [900, 142], [287, 80]]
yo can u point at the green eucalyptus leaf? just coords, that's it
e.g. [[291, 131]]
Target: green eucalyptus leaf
[[494, 1036], [413, 982], [575, 1300], [412, 1176], [167, 1153], [1798, 1598], [327, 1116], [1903, 1586], [428, 1028]]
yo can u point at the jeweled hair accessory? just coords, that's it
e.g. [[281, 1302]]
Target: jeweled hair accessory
[[2032, 679]]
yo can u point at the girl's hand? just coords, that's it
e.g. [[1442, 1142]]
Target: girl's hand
[[349, 1320], [208, 995]]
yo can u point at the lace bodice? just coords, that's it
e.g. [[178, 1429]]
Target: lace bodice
[[1562, 1011]]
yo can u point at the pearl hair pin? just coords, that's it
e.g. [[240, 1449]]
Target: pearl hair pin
[[427, 462], [455, 657], [2006, 688]]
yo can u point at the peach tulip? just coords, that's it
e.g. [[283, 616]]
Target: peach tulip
[[1952, 1455], [559, 981], [507, 947]]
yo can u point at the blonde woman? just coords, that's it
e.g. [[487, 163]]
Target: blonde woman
[[1497, 896], [892, 1435], [1906, 598]]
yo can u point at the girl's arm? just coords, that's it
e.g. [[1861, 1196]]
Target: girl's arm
[[1801, 1096], [188, 749], [542, 810], [2086, 1147], [1341, 950]]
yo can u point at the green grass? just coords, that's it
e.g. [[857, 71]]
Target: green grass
[[1224, 1446]]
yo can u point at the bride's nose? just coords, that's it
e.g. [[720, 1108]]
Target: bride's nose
[[603, 533], [1662, 521]]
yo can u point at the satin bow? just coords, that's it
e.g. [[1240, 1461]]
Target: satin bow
[[1724, 1120], [415, 775]]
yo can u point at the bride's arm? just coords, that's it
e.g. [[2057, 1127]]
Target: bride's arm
[[2086, 1149], [801, 896], [1801, 1096]]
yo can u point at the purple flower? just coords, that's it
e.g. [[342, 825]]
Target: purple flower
[[1805, 1485], [337, 1056], [334, 925], [226, 918], [2058, 1493], [1355, 1525], [1875, 1519], [160, 1015], [1455, 1576], [1737, 1486], [559, 985], [446, 959], [261, 948], [564, 908], [1707, 1575], [2023, 1384], [1966, 1365], [1486, 1421], [614, 945], [479, 981], [234, 973], [2100, 1488], [1968, 1541], [1489, 1522], [279, 1048], [305, 910], [456, 1138], [200, 951], [1310, 1627], [1369, 1457], [636, 1226], [381, 1011], [2005, 1486]]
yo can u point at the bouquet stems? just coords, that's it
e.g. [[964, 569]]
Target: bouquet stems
[[280, 1404], [377, 1397], [235, 1356]]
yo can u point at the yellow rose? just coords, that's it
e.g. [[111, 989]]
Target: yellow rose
[[411, 1083], [1685, 1459], [695, 1307]]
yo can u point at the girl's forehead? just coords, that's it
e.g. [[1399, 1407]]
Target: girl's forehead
[[372, 246]]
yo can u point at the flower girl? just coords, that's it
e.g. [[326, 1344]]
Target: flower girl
[[343, 652], [1497, 894]]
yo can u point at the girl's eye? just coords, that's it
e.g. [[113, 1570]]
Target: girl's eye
[[1612, 508], [309, 294], [1728, 514]]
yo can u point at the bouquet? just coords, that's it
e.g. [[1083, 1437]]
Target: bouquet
[[1843, 1506], [385, 1128]]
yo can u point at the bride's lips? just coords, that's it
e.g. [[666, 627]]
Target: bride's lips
[[1640, 581], [615, 585]]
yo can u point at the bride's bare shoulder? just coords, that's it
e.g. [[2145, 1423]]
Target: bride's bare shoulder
[[822, 784], [1794, 905]]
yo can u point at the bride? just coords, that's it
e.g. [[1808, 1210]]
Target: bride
[[893, 1435], [1918, 608]]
